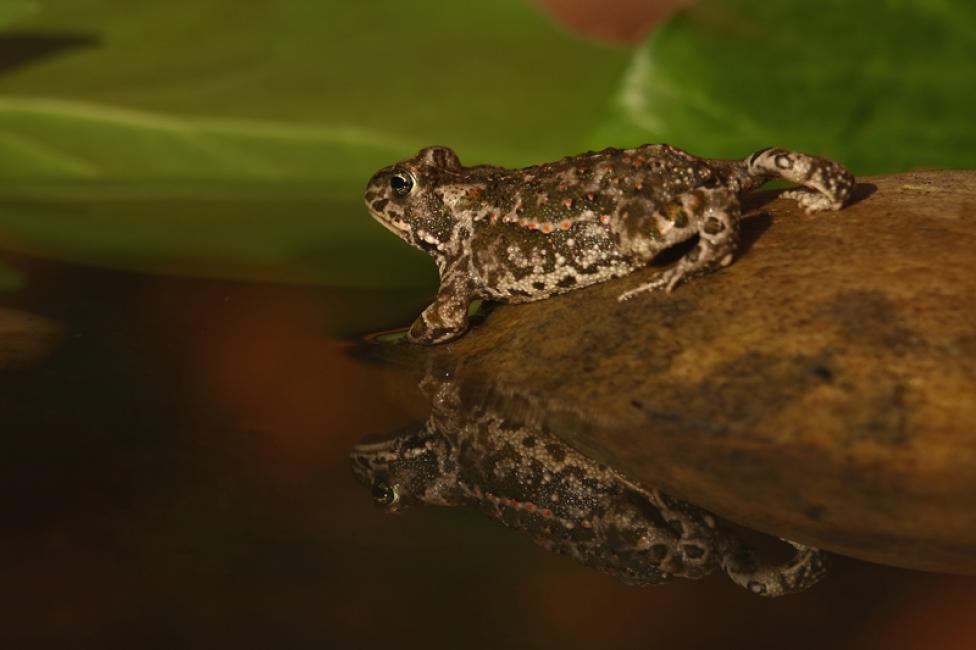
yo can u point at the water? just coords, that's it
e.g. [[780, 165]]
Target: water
[[173, 470]]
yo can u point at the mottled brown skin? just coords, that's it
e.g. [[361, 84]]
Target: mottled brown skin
[[518, 235], [530, 481]]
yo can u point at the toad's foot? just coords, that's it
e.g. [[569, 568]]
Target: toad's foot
[[807, 566], [810, 201], [828, 184], [424, 332], [660, 282], [715, 215]]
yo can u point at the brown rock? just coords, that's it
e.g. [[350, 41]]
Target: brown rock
[[822, 388]]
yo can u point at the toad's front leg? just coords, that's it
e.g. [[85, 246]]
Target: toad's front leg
[[711, 213], [827, 185], [447, 317]]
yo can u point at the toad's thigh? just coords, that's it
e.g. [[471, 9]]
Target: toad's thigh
[[642, 228]]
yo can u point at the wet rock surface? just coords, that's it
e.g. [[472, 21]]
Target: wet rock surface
[[822, 388]]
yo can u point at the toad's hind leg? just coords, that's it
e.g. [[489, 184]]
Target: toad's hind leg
[[714, 215], [806, 568], [826, 184]]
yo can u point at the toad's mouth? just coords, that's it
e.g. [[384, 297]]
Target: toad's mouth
[[397, 227]]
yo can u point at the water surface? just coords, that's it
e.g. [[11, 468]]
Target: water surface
[[173, 468]]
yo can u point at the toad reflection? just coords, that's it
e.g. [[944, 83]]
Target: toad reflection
[[523, 476]]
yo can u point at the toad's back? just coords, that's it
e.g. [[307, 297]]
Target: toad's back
[[551, 228]]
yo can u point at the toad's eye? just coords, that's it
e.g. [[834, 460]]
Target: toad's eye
[[385, 493], [401, 183]]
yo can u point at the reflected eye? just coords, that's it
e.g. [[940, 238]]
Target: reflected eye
[[385, 493], [401, 183]]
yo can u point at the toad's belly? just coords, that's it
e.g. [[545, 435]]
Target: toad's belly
[[533, 266]]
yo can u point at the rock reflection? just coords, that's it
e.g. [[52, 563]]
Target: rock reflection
[[473, 452]]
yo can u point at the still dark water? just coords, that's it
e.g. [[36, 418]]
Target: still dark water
[[174, 472]]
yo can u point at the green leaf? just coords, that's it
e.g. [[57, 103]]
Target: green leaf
[[10, 280], [13, 10], [883, 87], [283, 232], [291, 88], [57, 139], [234, 139]]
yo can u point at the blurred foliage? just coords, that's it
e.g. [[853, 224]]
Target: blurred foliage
[[291, 88], [13, 10], [193, 102], [233, 139], [882, 86], [9, 279], [288, 232]]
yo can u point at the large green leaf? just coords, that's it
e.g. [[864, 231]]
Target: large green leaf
[[881, 86], [9, 279], [234, 138], [286, 88], [288, 232], [14, 10], [56, 139]]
